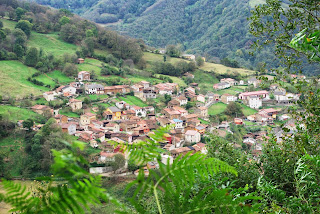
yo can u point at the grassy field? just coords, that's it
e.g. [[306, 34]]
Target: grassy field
[[68, 113], [8, 24], [217, 108], [16, 113], [232, 90], [205, 80], [13, 75], [51, 43], [204, 121], [132, 100], [177, 80], [248, 111], [217, 68], [48, 79]]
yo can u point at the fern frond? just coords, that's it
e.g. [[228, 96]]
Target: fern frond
[[175, 183]]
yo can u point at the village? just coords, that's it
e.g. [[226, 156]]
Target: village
[[124, 123]]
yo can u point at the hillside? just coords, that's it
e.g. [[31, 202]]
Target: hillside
[[216, 29]]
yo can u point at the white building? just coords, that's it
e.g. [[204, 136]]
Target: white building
[[69, 89], [178, 123], [94, 89], [192, 136], [50, 95], [255, 102]]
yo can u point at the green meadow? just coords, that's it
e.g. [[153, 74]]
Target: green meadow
[[14, 81]]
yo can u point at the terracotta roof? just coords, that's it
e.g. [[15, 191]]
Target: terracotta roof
[[191, 132]]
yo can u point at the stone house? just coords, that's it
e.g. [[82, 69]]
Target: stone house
[[69, 128], [255, 102], [202, 112], [192, 136], [86, 118], [50, 95], [94, 89], [42, 109], [75, 104], [84, 76], [227, 98]]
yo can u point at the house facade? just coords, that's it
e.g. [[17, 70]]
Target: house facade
[[84, 76]]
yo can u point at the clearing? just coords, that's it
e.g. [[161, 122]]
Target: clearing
[[132, 100], [208, 66], [48, 78], [51, 43], [217, 108], [16, 113], [14, 75]]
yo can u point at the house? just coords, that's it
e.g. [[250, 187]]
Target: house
[[182, 100], [76, 85], [231, 81], [68, 90], [117, 89], [223, 125], [201, 129], [200, 147], [61, 118], [254, 81], [50, 95], [149, 93], [145, 84], [121, 104], [166, 88], [274, 87], [252, 117], [188, 75], [189, 57], [246, 95], [137, 87], [173, 103], [270, 112], [254, 102], [128, 125], [127, 114], [171, 113], [163, 121], [201, 98], [149, 109], [178, 123], [69, 128], [181, 110], [86, 118], [114, 127], [84, 76], [284, 117], [42, 109], [192, 136], [80, 61], [238, 121], [227, 98], [180, 151], [75, 104], [262, 117], [94, 88], [108, 157], [202, 112], [241, 82], [222, 85], [140, 112], [114, 111]]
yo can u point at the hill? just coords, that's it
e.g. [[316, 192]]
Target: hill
[[215, 29]]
